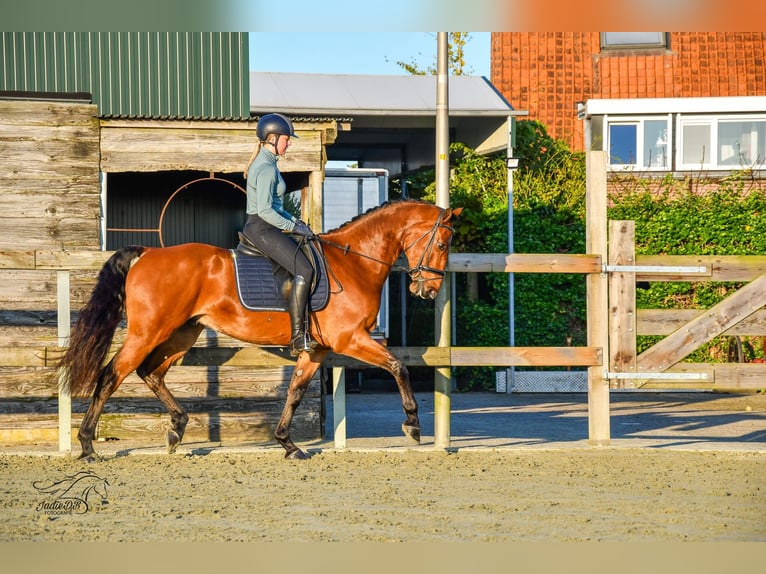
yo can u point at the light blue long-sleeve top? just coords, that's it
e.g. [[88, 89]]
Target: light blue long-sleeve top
[[266, 191]]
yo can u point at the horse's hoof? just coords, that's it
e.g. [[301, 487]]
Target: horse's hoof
[[90, 457], [297, 454], [173, 440], [412, 432]]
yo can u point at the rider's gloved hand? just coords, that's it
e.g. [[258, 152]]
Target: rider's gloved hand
[[302, 229]]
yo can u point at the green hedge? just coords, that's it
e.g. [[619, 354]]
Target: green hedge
[[673, 216]]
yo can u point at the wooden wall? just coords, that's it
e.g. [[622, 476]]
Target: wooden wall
[[49, 176], [224, 147]]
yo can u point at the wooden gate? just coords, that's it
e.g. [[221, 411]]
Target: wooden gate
[[741, 313]]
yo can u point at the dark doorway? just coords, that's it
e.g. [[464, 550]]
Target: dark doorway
[[171, 208]]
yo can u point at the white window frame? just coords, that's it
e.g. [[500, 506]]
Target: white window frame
[[639, 44], [712, 120], [638, 121]]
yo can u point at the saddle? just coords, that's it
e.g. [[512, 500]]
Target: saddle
[[264, 285]]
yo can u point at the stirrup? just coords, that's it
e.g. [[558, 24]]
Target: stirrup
[[301, 343]]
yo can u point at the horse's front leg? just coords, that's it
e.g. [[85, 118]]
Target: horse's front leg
[[366, 349], [305, 368]]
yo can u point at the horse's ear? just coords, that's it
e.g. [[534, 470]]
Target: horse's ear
[[454, 213]]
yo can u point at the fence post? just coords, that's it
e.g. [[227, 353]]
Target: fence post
[[597, 290], [622, 300], [339, 406], [65, 399]]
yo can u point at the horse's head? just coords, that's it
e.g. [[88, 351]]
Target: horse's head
[[427, 251]]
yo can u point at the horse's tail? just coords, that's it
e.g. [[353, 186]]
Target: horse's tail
[[92, 334]]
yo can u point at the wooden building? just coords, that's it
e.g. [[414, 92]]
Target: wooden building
[[106, 140]]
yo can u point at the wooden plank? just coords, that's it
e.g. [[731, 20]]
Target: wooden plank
[[254, 385], [151, 427], [32, 203], [201, 358], [738, 268], [17, 258], [721, 377], [34, 331], [48, 232], [524, 263], [213, 427], [23, 356], [622, 299], [724, 268], [33, 292], [597, 296], [40, 382], [526, 356], [81, 259], [197, 147], [233, 357], [27, 287], [20, 113], [707, 325], [665, 321]]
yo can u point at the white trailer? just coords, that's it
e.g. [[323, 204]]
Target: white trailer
[[348, 192]]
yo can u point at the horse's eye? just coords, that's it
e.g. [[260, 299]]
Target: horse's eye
[[441, 246]]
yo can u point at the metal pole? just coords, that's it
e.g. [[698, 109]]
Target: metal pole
[[442, 375], [511, 283]]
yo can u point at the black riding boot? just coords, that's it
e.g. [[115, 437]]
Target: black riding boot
[[300, 341]]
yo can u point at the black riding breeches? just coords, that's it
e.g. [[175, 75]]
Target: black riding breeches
[[278, 246]]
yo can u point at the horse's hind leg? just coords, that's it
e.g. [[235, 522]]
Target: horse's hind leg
[[106, 385], [154, 368], [304, 370], [112, 375]]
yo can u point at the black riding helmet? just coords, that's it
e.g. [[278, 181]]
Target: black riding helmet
[[274, 124]]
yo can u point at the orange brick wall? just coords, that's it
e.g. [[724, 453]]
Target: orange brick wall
[[547, 73]]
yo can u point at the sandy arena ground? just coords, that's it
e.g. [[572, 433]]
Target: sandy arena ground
[[686, 469]]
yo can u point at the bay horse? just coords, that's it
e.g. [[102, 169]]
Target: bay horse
[[170, 294]]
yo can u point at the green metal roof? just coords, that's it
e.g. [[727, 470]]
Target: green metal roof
[[146, 74]]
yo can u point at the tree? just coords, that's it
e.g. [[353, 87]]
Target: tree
[[455, 58]]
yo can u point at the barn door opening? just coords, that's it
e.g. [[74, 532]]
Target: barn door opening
[[170, 208]]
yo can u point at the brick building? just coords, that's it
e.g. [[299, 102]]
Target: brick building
[[701, 95]]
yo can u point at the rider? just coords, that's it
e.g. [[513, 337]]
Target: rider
[[268, 224]]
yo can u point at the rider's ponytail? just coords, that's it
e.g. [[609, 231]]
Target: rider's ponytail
[[252, 159]]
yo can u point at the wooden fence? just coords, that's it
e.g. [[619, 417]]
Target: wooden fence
[[231, 397]]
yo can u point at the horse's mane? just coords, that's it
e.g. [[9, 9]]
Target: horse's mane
[[381, 207]]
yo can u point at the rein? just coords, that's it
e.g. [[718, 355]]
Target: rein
[[414, 272]]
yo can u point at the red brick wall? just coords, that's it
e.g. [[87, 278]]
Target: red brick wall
[[546, 73]]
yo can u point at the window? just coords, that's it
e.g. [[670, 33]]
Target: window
[[695, 145], [741, 143], [638, 142], [633, 40], [717, 142]]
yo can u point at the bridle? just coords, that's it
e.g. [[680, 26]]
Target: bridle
[[415, 273]]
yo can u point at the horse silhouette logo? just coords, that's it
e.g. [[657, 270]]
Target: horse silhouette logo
[[71, 495]]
